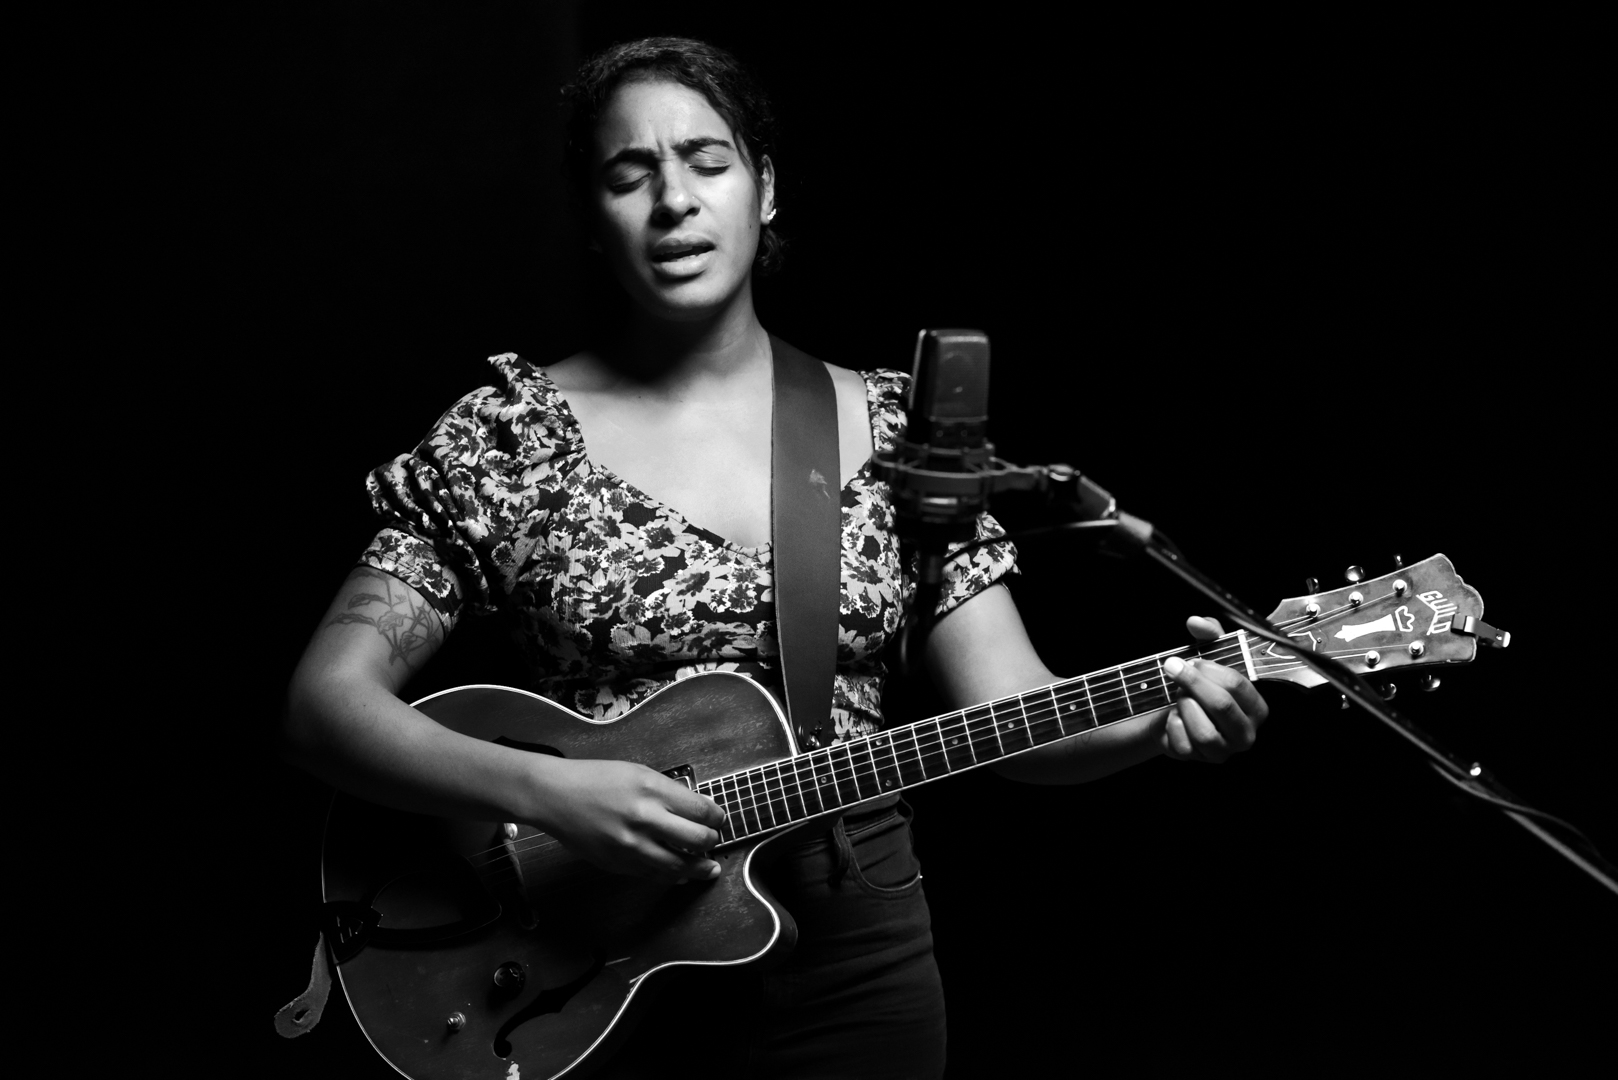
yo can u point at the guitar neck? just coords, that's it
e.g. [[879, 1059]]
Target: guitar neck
[[770, 797]]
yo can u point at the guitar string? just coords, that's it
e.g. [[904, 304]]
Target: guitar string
[[1219, 650], [755, 792], [1073, 691], [848, 773], [779, 791], [541, 844]]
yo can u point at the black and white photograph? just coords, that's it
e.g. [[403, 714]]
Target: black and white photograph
[[859, 541]]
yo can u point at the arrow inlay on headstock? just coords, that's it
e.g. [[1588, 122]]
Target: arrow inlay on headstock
[[1394, 622]]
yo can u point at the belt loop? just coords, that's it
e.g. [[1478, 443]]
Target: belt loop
[[843, 854]]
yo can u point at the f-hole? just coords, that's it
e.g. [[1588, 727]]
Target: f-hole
[[547, 1001]]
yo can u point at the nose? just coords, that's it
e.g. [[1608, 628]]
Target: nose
[[674, 200]]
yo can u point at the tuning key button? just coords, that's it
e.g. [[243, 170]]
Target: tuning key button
[[1312, 610], [510, 976], [1356, 598], [1343, 700], [1400, 586], [1430, 683], [510, 830], [1389, 691], [1373, 658], [1311, 585], [1418, 647], [1354, 574], [1398, 562]]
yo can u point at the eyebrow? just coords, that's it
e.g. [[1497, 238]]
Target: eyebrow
[[642, 155]]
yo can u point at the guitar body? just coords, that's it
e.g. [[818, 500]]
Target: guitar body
[[481, 950], [475, 900]]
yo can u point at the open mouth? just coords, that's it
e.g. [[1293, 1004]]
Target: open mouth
[[674, 251]]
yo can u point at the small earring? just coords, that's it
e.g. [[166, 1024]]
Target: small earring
[[770, 216]]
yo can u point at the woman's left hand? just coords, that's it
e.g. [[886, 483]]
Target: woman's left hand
[[1218, 712]]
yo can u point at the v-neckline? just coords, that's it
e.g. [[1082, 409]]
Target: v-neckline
[[755, 550]]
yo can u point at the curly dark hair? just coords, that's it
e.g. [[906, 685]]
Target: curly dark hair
[[711, 71]]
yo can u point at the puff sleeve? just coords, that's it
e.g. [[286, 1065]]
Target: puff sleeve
[[460, 513]]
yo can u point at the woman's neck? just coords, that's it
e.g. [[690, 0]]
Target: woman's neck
[[673, 358]]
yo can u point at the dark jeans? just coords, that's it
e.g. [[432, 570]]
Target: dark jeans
[[858, 998]]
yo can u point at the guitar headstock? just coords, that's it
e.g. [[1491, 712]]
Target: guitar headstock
[[1420, 615]]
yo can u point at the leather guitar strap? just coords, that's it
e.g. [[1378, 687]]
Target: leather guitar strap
[[805, 527]]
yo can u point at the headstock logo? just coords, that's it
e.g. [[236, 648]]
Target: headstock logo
[[1398, 622], [1443, 610]]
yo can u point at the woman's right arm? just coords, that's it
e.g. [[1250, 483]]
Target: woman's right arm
[[346, 723]]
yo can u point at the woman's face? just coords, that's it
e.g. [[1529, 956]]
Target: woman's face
[[678, 210]]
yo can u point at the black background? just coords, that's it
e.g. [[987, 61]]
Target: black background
[[1304, 295]]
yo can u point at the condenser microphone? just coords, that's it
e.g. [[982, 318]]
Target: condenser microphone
[[946, 438], [939, 472]]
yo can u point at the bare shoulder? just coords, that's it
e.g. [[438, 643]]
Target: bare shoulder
[[853, 420], [581, 372], [850, 386]]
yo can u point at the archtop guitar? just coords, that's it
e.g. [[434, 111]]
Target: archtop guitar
[[471, 950]]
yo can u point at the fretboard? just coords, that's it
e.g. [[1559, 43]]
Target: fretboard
[[770, 797]]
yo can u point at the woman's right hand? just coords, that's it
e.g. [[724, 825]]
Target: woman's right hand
[[629, 819]]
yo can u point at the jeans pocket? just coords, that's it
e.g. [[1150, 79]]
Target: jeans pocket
[[882, 860]]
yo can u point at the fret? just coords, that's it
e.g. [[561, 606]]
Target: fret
[[1247, 654], [1011, 724], [767, 797], [1108, 699], [742, 804], [985, 733], [826, 780], [761, 782], [754, 794], [783, 797], [907, 755], [1040, 713], [1073, 705], [929, 736], [716, 792], [847, 775], [958, 752], [1148, 689], [885, 762], [791, 805], [803, 774], [1055, 707], [864, 756]]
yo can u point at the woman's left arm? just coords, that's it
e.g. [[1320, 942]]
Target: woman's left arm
[[980, 652]]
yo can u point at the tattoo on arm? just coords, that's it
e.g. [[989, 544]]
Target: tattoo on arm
[[398, 614]]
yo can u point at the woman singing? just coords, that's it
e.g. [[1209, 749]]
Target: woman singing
[[617, 503]]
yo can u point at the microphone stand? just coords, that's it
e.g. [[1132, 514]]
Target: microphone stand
[[940, 503], [1470, 777]]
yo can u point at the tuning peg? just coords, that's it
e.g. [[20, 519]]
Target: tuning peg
[[1430, 683], [1354, 574], [1311, 585], [1344, 701], [1389, 691], [1398, 562]]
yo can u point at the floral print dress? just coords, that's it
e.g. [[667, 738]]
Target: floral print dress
[[614, 594]]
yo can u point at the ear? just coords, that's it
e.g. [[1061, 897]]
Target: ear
[[766, 188]]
